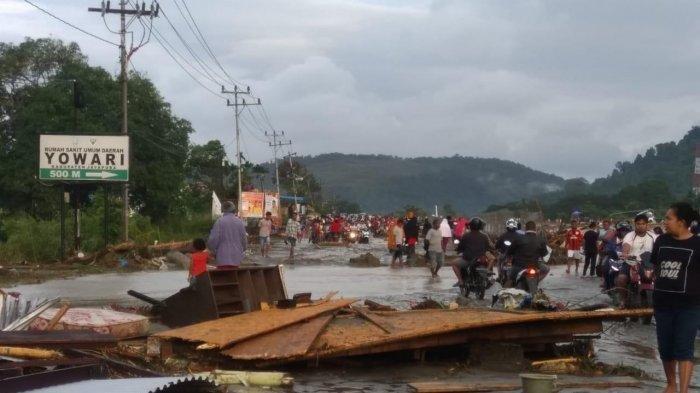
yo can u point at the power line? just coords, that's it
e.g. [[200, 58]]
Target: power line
[[199, 61], [206, 45], [185, 69], [245, 126], [199, 40], [70, 24]]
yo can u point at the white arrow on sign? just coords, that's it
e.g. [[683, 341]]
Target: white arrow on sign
[[103, 174]]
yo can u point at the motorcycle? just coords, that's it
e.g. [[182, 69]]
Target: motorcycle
[[475, 279], [638, 292], [352, 236], [641, 284], [364, 236], [504, 265], [528, 279]]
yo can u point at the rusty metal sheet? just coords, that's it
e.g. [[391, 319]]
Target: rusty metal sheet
[[291, 341], [226, 331]]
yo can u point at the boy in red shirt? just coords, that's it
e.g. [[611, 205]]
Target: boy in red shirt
[[574, 241], [198, 260]]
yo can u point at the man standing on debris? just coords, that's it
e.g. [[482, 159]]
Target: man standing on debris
[[676, 259], [574, 240], [228, 238], [292, 233]]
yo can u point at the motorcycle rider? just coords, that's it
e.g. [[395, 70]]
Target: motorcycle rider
[[611, 250], [473, 246], [634, 244], [512, 232], [528, 249], [510, 235]]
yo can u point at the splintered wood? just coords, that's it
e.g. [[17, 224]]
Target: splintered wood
[[315, 332], [226, 331]]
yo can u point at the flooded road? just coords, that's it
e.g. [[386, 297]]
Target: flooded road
[[325, 269]]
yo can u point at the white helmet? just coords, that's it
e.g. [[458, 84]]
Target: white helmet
[[511, 223]]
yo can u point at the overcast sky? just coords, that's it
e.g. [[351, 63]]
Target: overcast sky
[[568, 87]]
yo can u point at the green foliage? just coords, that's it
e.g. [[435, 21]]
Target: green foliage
[[670, 162], [382, 184], [30, 239], [651, 194], [37, 98]]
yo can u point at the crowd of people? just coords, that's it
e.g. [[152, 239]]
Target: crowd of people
[[617, 253]]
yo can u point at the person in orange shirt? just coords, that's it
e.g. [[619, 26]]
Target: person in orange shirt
[[198, 260]]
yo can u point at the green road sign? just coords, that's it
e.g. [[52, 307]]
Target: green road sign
[[94, 158]]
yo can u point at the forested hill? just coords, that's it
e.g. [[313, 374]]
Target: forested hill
[[381, 183], [669, 162]]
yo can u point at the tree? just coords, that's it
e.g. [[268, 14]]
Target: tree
[[37, 98]]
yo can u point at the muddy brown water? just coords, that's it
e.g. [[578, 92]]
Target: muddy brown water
[[325, 269]]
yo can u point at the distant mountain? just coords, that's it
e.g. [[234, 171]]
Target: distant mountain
[[380, 183], [669, 162]]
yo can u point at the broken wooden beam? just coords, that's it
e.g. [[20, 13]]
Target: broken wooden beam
[[372, 319]]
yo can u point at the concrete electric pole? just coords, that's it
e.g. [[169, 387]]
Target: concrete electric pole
[[124, 56], [236, 103], [275, 144]]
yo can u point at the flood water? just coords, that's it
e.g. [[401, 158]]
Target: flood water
[[325, 269]]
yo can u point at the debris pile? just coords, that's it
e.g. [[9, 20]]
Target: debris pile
[[365, 260]]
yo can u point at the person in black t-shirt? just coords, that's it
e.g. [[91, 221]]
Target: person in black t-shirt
[[590, 248], [676, 259]]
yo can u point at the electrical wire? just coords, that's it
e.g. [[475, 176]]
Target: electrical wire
[[187, 71], [206, 45], [70, 24], [255, 120], [199, 61], [245, 126]]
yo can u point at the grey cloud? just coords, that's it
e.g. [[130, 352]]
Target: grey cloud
[[534, 81]]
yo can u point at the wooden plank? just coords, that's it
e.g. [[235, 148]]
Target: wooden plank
[[461, 387], [226, 331], [58, 339], [453, 387], [291, 341]]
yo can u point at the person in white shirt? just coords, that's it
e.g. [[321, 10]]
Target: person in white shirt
[[634, 244], [446, 232], [435, 253]]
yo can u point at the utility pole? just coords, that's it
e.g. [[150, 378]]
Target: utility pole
[[275, 144], [236, 103], [291, 172], [124, 57]]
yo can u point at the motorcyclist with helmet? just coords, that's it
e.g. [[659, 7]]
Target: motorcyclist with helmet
[[509, 235], [612, 250], [473, 246], [528, 249]]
